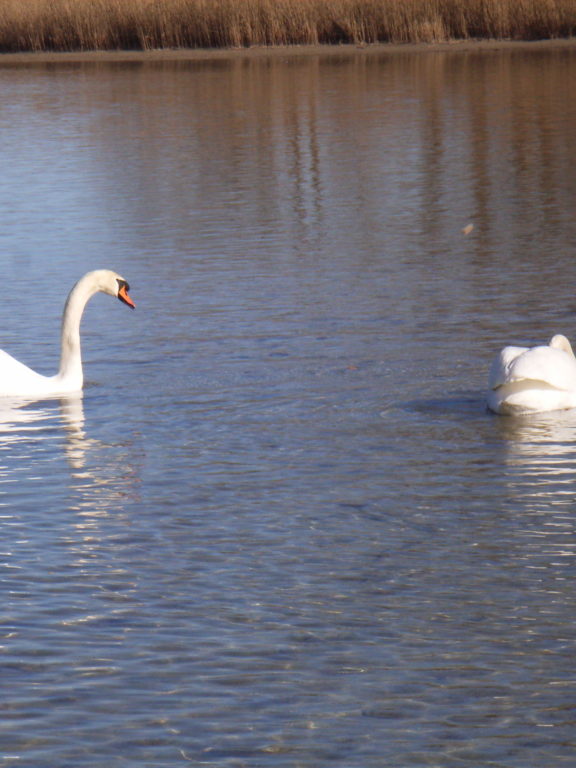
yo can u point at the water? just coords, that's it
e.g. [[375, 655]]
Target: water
[[280, 528]]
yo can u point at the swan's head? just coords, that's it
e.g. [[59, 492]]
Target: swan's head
[[109, 282], [122, 294]]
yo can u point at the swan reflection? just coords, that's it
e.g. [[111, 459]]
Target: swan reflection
[[36, 428], [20, 417], [544, 433], [65, 495], [541, 454]]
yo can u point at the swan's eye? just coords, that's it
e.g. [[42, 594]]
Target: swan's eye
[[123, 284]]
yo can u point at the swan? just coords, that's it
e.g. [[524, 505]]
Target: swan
[[533, 380], [17, 380]]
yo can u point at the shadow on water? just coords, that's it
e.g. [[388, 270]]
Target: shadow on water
[[541, 429], [468, 405], [535, 452]]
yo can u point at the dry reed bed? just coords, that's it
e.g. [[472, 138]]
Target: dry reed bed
[[72, 25]]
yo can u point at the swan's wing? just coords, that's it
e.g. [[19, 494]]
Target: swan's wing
[[551, 366], [9, 364], [500, 369], [15, 377]]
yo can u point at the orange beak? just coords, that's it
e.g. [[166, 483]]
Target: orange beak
[[123, 296]]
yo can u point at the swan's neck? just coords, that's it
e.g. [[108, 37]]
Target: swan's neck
[[71, 358]]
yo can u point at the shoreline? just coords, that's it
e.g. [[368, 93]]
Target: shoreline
[[288, 51]]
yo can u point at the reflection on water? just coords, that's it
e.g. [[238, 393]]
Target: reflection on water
[[541, 456], [545, 434], [40, 428], [18, 418]]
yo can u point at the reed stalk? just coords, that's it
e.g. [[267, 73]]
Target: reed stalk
[[71, 25]]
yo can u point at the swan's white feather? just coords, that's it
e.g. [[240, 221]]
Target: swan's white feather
[[17, 380], [536, 379]]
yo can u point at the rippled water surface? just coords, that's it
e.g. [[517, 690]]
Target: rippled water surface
[[279, 528]]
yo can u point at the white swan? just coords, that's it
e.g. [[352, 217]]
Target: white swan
[[533, 380], [17, 380]]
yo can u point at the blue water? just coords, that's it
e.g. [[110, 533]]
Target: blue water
[[279, 528]]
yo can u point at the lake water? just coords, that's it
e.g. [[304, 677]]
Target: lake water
[[279, 529]]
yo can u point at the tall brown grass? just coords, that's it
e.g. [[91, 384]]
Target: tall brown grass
[[69, 25]]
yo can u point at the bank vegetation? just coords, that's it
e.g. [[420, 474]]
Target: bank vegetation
[[76, 25]]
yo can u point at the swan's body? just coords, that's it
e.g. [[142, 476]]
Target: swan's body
[[17, 380], [533, 380]]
